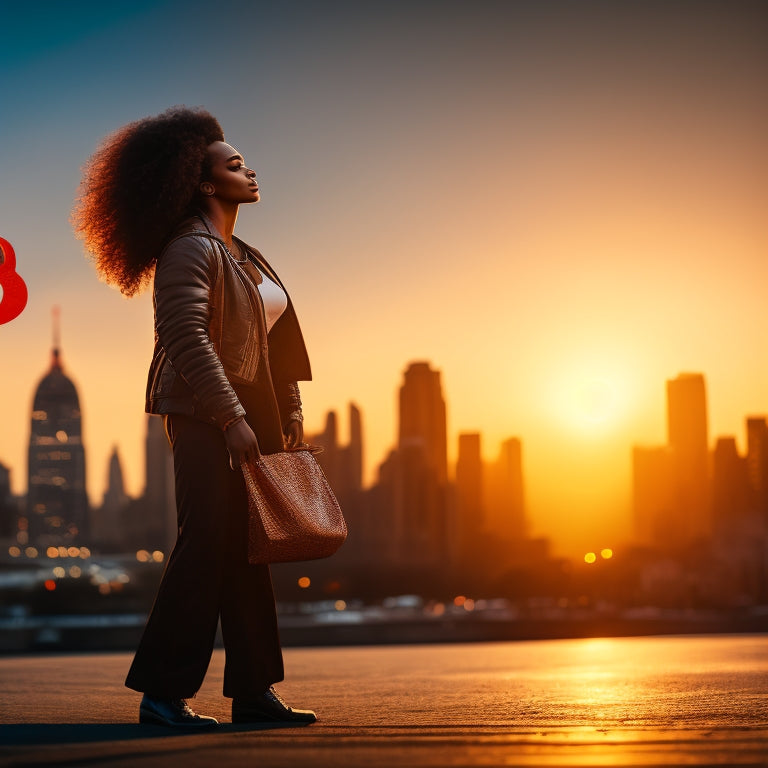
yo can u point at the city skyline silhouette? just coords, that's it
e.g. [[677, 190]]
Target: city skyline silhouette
[[674, 499], [560, 219]]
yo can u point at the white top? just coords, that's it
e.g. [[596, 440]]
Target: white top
[[273, 297]]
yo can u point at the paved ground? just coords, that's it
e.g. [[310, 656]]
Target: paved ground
[[629, 701]]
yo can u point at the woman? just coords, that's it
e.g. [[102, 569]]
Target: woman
[[161, 196]]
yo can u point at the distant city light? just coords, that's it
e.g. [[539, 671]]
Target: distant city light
[[59, 572], [606, 554], [30, 552], [143, 556], [73, 552], [340, 605], [158, 556], [459, 600], [14, 551], [50, 585], [52, 552], [590, 557], [469, 604], [304, 582]]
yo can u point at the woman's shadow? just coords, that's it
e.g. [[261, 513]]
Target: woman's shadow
[[39, 734]]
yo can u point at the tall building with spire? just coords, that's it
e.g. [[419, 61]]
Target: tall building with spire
[[57, 504], [108, 521]]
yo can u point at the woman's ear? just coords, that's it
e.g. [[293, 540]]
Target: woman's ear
[[207, 188]]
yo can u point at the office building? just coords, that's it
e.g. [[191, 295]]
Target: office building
[[57, 506], [687, 438]]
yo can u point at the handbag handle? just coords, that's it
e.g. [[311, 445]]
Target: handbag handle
[[313, 449]]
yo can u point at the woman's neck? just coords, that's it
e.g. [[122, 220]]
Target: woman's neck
[[223, 218]]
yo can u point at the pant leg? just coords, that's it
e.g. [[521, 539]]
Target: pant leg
[[254, 660], [249, 628], [203, 573]]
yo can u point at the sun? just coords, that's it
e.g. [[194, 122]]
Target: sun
[[594, 400], [589, 391], [589, 404]]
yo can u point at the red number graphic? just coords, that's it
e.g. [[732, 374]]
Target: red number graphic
[[14, 288]]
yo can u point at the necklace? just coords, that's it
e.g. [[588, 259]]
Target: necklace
[[232, 256], [204, 219]]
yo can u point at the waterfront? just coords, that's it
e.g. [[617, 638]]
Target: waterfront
[[609, 701]]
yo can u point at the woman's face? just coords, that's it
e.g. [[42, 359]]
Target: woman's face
[[230, 179]]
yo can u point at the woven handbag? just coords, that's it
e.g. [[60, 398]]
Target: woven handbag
[[292, 512]]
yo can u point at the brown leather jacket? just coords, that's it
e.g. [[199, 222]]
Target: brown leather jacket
[[210, 333]]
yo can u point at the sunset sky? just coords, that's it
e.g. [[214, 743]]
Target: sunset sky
[[560, 205]]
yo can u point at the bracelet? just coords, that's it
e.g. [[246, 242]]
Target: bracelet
[[296, 416], [232, 421], [294, 396]]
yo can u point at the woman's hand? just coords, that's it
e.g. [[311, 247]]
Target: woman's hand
[[241, 443], [294, 434]]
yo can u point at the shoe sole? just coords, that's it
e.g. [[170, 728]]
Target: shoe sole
[[244, 719], [150, 718]]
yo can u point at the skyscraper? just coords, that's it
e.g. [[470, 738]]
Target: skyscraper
[[354, 450], [470, 511], [342, 465], [505, 494], [687, 437], [757, 464], [730, 488], [409, 505], [652, 494], [423, 418], [329, 459], [8, 512], [57, 505], [107, 521]]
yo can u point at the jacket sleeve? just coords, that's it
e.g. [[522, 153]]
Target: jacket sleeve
[[288, 401], [184, 279]]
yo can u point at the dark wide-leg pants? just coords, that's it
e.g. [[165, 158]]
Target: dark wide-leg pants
[[208, 577]]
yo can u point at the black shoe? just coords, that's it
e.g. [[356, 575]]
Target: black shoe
[[173, 712], [269, 708]]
